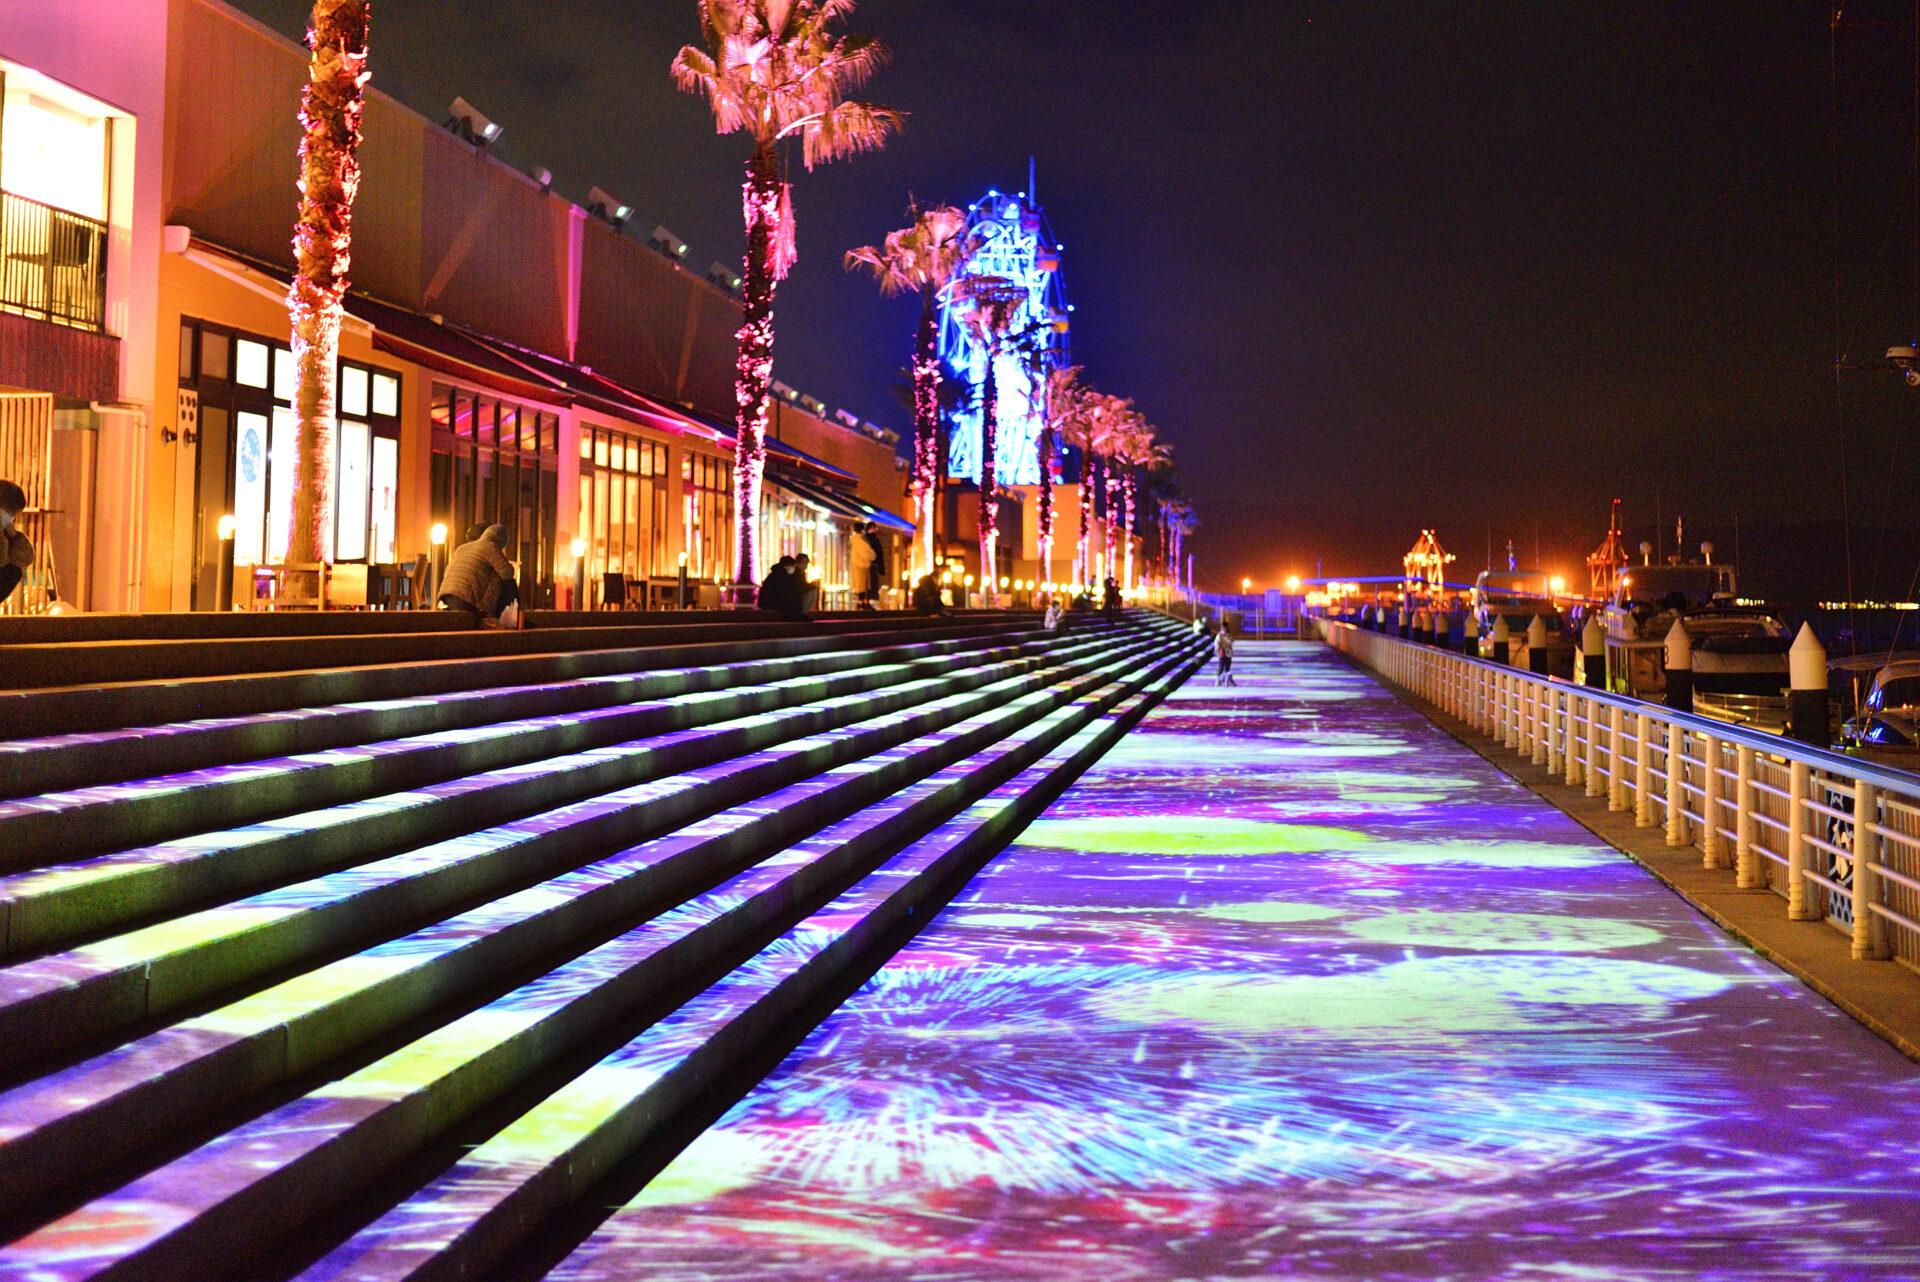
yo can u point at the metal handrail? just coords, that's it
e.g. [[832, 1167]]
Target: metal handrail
[[53, 263], [1768, 807]]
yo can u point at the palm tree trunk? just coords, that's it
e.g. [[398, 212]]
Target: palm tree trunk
[[926, 428], [1112, 488], [989, 499], [753, 367], [1126, 492], [1083, 551], [330, 109], [1046, 503]]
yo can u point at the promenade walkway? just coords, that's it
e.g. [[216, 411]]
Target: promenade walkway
[[1292, 984]]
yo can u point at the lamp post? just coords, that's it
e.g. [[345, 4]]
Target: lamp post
[[683, 581], [438, 537], [579, 574], [224, 592]]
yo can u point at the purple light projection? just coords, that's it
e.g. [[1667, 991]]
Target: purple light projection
[[1292, 984]]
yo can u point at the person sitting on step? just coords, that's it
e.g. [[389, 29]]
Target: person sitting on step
[[19, 550]]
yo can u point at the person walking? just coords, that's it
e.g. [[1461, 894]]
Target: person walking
[[1223, 651], [1110, 599], [19, 548], [479, 578], [864, 553]]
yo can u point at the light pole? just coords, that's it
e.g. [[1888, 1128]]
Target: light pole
[[438, 537], [224, 592], [579, 574]]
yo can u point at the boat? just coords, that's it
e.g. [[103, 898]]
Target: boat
[[1739, 647], [1518, 596], [1886, 726]]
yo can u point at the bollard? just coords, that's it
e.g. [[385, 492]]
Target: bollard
[[1502, 635], [1807, 700], [1593, 653], [1403, 622], [1537, 646], [1679, 668], [1422, 626]]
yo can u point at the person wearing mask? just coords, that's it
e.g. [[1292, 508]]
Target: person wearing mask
[[19, 548], [479, 577], [780, 590]]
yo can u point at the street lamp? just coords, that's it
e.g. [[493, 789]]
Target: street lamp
[[224, 591], [438, 537], [1293, 584]]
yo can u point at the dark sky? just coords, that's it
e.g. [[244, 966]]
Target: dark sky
[[1369, 266]]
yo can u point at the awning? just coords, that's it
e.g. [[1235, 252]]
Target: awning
[[598, 392], [849, 506]]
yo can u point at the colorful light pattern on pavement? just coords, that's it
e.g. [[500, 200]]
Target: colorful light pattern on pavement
[[1292, 984]]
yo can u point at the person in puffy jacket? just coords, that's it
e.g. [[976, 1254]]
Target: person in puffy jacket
[[17, 556], [479, 577]]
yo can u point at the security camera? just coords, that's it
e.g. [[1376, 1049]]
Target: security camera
[[1913, 378], [604, 205], [465, 120]]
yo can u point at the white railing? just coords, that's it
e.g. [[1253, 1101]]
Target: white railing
[[1837, 838]]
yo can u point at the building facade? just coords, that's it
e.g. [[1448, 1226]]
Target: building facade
[[506, 357]]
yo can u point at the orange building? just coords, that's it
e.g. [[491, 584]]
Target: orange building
[[507, 355]]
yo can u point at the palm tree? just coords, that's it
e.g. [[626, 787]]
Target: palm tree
[[773, 70], [923, 256], [1062, 398], [330, 109], [1114, 419], [1135, 449], [992, 304], [1082, 424]]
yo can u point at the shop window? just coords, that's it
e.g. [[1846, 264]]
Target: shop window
[[489, 466]]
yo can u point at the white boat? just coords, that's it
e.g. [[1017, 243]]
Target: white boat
[[1739, 649]]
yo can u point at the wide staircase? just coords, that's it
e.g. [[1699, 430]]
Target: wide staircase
[[371, 955]]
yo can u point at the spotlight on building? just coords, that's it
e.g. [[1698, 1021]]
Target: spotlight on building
[[667, 243], [608, 208], [543, 176], [466, 121], [722, 276]]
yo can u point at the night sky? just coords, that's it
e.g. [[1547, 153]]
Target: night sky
[[1369, 266]]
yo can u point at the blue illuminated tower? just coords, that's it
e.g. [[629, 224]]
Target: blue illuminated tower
[[1015, 243]]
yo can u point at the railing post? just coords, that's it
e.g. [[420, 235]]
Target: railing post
[[1596, 779], [1617, 758], [1511, 686], [1709, 807], [1676, 737], [1555, 731], [1542, 725], [1748, 874], [1869, 931], [1799, 785], [1570, 739], [1642, 769]]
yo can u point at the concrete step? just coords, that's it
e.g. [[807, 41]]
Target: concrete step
[[562, 655], [63, 999], [57, 905], [95, 1112], [202, 1213], [34, 665], [113, 816], [54, 762], [492, 1201]]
